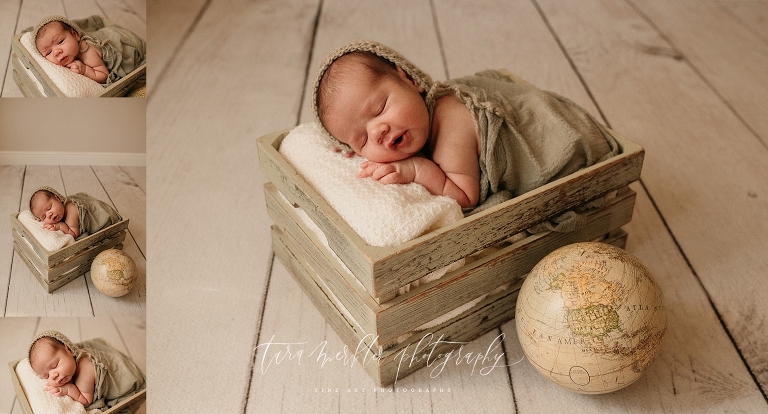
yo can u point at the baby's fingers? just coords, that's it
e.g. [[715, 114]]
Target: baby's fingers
[[345, 153], [366, 169], [385, 170]]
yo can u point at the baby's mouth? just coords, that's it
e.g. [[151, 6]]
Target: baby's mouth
[[399, 141]]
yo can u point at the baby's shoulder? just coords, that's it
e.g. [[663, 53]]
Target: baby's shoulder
[[453, 124]]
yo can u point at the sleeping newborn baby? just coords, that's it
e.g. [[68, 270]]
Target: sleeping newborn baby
[[78, 214], [90, 47], [91, 372], [480, 139]]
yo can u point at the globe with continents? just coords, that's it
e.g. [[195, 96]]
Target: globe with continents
[[113, 272], [590, 317]]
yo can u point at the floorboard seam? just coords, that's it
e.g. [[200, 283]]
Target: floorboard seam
[[162, 71], [570, 62], [271, 264], [439, 38], [308, 68], [701, 75], [706, 292]]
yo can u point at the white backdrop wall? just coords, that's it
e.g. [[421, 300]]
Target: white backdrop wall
[[96, 131]]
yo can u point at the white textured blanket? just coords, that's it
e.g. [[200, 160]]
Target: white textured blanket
[[71, 84], [42, 401], [382, 215], [49, 239]]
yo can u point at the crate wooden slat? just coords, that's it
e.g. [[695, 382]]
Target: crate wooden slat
[[129, 405], [52, 258], [54, 269], [389, 320], [26, 67], [386, 367], [382, 270]]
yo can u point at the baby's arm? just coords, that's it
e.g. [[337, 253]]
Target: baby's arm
[[82, 389], [453, 170], [70, 224], [90, 65], [72, 219], [461, 187]]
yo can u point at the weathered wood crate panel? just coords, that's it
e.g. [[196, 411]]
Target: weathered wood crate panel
[[54, 269], [501, 266], [129, 405], [385, 367], [25, 68], [383, 270]]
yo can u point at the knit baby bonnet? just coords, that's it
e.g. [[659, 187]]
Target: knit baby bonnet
[[50, 190], [50, 19], [378, 49], [57, 336]]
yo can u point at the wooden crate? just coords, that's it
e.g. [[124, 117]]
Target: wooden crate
[[355, 286], [387, 366], [382, 324], [30, 77], [129, 405], [54, 269], [383, 270]]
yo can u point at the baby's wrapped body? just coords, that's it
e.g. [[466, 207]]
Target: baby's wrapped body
[[122, 50], [528, 136], [94, 214], [117, 376]]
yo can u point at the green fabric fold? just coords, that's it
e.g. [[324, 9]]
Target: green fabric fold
[[528, 136], [94, 214]]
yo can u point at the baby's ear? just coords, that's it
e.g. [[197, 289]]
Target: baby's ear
[[75, 34], [408, 79]]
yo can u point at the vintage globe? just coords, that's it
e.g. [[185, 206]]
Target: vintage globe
[[590, 317], [113, 272]]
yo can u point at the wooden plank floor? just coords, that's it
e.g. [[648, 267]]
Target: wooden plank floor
[[124, 189], [17, 15], [124, 333], [685, 79]]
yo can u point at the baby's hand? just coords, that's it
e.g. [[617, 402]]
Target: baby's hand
[[347, 154], [56, 390], [77, 67], [50, 226], [398, 172]]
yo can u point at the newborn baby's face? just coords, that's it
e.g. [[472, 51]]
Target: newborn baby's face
[[383, 120], [58, 368], [58, 44], [49, 211]]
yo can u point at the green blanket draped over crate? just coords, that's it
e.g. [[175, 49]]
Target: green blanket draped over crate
[[528, 136], [94, 214], [117, 376]]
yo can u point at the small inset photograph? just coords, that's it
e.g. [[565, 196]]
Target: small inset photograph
[[91, 48], [74, 242], [73, 365]]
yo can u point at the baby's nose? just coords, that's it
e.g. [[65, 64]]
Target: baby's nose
[[380, 131]]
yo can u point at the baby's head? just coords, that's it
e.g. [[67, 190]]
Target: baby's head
[[52, 358], [46, 206], [371, 100], [57, 40]]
